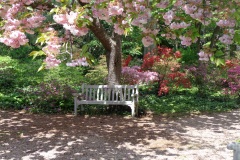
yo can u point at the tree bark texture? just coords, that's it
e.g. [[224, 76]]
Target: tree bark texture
[[112, 45], [214, 37]]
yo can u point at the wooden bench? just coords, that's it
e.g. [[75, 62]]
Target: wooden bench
[[108, 95]]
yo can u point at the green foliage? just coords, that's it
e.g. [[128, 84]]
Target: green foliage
[[11, 100], [131, 48], [21, 86], [189, 55], [35, 54], [50, 91], [49, 97], [237, 36], [7, 72], [19, 53], [218, 58], [98, 75], [132, 45], [95, 48], [206, 77], [186, 101]]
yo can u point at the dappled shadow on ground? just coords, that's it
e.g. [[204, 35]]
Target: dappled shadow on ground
[[31, 136]]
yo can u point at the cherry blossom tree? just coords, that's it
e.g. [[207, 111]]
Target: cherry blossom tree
[[182, 20]]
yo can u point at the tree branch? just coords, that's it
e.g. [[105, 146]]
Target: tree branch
[[99, 31], [101, 34]]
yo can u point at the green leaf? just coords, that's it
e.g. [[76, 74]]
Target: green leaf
[[29, 8], [127, 31], [236, 37], [42, 67], [43, 37], [206, 45], [207, 35], [55, 10], [220, 61], [37, 53], [212, 58], [195, 33], [219, 53], [84, 49]]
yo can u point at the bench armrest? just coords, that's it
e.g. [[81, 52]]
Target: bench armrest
[[78, 95], [134, 95]]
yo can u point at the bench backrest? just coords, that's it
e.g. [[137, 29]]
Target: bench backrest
[[109, 92]]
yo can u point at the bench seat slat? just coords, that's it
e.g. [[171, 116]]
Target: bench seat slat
[[106, 102]]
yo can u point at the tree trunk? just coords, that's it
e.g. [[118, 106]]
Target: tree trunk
[[114, 63], [214, 37], [113, 47]]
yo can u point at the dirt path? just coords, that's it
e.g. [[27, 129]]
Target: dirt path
[[205, 137]]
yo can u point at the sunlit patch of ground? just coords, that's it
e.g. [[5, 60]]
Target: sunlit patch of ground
[[202, 137]]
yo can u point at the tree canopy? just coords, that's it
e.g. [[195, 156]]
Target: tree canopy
[[212, 25]]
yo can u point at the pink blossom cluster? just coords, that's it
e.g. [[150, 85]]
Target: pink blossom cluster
[[187, 41], [78, 62], [193, 8], [28, 2], [147, 41], [142, 19], [189, 8], [179, 3], [204, 56], [101, 13], [136, 76], [162, 4], [52, 49], [175, 25], [226, 23], [138, 6], [168, 17], [53, 43], [14, 29], [133, 13], [115, 9], [34, 21], [125, 9], [150, 31], [169, 35], [68, 22], [14, 39], [51, 61], [11, 12], [118, 29], [11, 24], [226, 39]]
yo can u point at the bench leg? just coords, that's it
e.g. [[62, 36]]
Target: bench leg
[[133, 110], [75, 107], [82, 108], [136, 109]]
